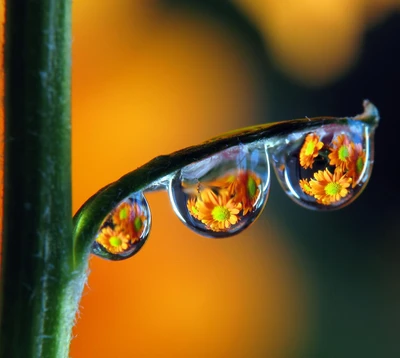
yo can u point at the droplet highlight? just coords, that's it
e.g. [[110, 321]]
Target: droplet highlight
[[125, 230], [221, 195], [326, 168]]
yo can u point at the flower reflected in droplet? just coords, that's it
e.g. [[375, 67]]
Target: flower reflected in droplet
[[129, 219], [139, 221], [245, 189], [305, 186], [356, 163], [310, 150], [329, 188], [341, 152], [218, 212], [114, 241], [192, 207], [122, 214]]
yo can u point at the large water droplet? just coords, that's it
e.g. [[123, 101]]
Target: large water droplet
[[326, 168], [222, 195], [125, 230]]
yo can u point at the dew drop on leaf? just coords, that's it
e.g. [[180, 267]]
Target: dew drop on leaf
[[125, 230], [223, 194], [325, 168]]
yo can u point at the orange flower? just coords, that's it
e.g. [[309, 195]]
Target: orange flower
[[356, 163], [218, 212], [310, 150], [305, 186], [328, 188], [122, 214], [129, 219], [341, 152], [245, 190], [139, 222], [114, 241], [192, 207]]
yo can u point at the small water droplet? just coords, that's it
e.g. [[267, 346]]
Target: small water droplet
[[326, 168], [222, 195], [125, 230]]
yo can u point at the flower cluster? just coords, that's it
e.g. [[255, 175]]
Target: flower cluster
[[221, 203], [344, 161], [123, 228]]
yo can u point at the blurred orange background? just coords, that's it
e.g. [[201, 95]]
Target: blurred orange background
[[149, 79]]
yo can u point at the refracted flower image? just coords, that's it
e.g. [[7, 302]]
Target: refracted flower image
[[221, 195], [245, 186], [357, 163], [124, 228], [218, 211], [341, 161], [328, 188], [341, 152], [310, 150], [115, 240], [221, 203], [305, 186]]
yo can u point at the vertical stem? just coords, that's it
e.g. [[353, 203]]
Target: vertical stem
[[40, 289]]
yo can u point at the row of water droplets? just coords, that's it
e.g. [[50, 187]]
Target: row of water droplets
[[323, 168]]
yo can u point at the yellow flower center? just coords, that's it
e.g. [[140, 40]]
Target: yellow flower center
[[115, 241], [333, 188], [359, 165], [251, 187], [310, 148], [123, 214], [231, 179], [343, 153], [194, 209], [220, 213], [137, 223]]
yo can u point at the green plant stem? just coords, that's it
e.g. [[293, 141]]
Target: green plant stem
[[40, 287]]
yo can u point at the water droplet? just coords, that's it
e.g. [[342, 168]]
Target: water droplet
[[223, 194], [125, 230], [326, 168]]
